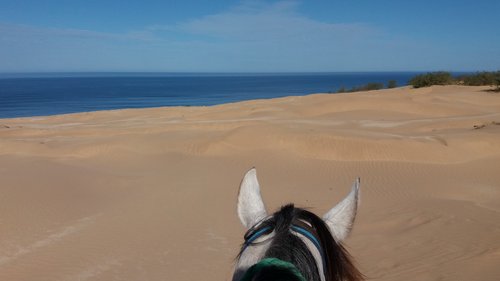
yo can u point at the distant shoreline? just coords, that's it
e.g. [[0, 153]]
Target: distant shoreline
[[176, 107], [41, 96]]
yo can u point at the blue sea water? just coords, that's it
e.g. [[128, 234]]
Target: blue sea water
[[23, 95]]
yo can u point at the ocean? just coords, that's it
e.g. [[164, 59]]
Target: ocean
[[23, 95]]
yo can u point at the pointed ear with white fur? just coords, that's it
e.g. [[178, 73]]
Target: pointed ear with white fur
[[340, 218], [250, 205]]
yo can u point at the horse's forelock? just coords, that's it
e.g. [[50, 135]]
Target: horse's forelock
[[289, 247]]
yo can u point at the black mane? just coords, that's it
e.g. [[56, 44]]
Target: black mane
[[288, 247]]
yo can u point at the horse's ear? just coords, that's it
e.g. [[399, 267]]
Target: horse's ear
[[250, 205], [340, 218]]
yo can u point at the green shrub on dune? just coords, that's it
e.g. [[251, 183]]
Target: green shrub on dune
[[478, 79], [431, 78], [367, 87], [392, 84], [483, 78], [372, 86]]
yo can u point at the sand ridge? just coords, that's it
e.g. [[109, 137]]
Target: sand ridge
[[133, 194]]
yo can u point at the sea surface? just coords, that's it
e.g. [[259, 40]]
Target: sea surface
[[23, 95]]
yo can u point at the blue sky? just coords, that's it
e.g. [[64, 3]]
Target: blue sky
[[249, 36]]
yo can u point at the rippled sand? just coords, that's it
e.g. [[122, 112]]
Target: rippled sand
[[150, 194]]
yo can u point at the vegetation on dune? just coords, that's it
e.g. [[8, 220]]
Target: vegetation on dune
[[392, 84], [367, 87], [431, 78], [484, 78]]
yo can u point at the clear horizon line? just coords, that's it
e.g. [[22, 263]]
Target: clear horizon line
[[153, 73]]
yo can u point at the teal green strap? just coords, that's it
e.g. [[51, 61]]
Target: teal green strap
[[271, 262]]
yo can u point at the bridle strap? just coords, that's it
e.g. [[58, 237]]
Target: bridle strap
[[298, 226], [310, 236], [255, 235]]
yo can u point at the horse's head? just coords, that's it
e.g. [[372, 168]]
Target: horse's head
[[293, 243]]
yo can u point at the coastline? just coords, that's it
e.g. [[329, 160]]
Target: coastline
[[97, 193], [74, 93]]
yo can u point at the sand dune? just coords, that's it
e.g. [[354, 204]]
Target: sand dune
[[149, 194]]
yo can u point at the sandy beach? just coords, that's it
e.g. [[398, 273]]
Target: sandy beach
[[150, 194]]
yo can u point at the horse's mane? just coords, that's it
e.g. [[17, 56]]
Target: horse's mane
[[338, 265]]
